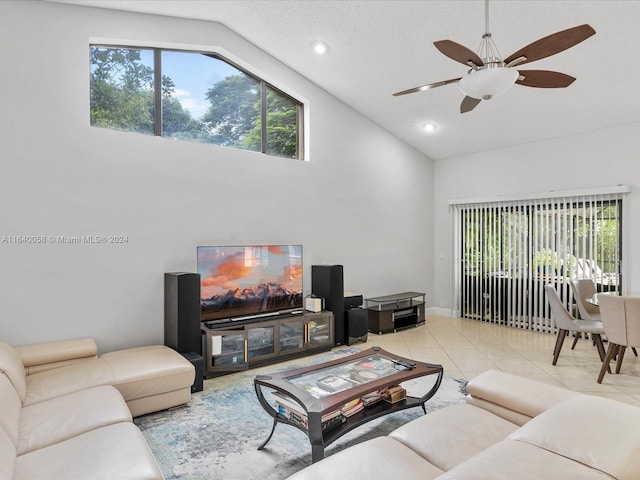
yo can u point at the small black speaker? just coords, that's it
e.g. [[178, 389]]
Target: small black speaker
[[198, 362], [327, 282], [182, 312]]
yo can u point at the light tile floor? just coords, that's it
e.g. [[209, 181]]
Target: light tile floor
[[468, 347]]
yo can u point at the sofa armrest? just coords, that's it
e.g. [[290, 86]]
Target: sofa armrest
[[45, 356], [514, 398]]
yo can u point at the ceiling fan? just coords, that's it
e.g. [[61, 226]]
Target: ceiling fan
[[490, 75]]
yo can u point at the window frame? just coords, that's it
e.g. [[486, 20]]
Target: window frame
[[264, 87]]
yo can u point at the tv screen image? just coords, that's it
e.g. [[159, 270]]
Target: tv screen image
[[249, 280]]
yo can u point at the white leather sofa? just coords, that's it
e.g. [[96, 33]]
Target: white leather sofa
[[66, 413], [509, 428]]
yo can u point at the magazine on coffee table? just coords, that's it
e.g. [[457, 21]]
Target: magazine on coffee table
[[326, 382]]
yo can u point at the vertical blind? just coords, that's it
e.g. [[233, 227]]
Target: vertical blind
[[507, 251]]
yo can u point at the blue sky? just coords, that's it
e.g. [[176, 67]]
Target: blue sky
[[193, 74]]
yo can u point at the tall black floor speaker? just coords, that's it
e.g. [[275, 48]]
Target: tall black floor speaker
[[327, 281], [182, 312]]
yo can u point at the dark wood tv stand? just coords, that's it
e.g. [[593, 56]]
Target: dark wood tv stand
[[394, 312], [243, 344]]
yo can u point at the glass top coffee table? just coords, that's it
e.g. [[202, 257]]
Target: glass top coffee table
[[320, 399]]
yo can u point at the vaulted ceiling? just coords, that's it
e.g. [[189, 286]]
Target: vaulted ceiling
[[377, 47]]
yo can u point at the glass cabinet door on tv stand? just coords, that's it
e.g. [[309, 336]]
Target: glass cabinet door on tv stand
[[226, 350], [319, 330], [292, 335], [306, 332], [261, 340]]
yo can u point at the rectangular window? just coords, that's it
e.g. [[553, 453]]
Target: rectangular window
[[122, 89], [201, 96]]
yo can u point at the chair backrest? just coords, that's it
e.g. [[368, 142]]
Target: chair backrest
[[564, 320], [583, 289], [621, 319]]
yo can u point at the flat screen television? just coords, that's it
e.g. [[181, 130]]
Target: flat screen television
[[238, 282]]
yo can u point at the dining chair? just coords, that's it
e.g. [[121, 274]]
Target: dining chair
[[621, 322], [583, 289], [568, 323]]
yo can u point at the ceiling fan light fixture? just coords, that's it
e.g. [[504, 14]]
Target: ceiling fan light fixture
[[486, 83]]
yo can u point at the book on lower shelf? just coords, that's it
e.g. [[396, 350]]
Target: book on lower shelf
[[352, 407], [293, 411], [371, 398]]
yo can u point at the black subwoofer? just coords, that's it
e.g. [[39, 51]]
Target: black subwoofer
[[357, 322]]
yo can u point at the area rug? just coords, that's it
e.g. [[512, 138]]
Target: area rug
[[215, 436]]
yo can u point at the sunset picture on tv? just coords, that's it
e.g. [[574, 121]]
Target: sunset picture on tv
[[248, 280]]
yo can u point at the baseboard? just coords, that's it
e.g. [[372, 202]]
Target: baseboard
[[444, 312]]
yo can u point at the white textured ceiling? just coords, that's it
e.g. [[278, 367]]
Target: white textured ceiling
[[381, 47]]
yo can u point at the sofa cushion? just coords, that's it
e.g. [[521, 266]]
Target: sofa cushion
[[378, 458], [451, 435], [162, 401], [45, 356], [13, 368], [511, 460], [7, 455], [114, 452], [610, 441], [515, 398], [68, 379], [61, 418], [151, 370], [10, 409]]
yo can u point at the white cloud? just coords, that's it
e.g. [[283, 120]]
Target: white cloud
[[181, 93], [197, 107]]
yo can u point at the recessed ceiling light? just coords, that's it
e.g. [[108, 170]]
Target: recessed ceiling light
[[429, 127], [320, 47]]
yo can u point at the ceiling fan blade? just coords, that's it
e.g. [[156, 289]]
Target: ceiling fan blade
[[458, 52], [544, 79], [428, 86], [468, 104], [552, 44]]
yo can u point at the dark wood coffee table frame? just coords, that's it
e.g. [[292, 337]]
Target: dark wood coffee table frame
[[316, 407]]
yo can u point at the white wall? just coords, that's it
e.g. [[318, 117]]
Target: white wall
[[596, 159], [364, 199]]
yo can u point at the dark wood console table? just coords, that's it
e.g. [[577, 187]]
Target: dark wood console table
[[394, 312]]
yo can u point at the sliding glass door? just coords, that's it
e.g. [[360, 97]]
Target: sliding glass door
[[508, 251]]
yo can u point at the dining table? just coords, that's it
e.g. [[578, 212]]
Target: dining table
[[594, 299]]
